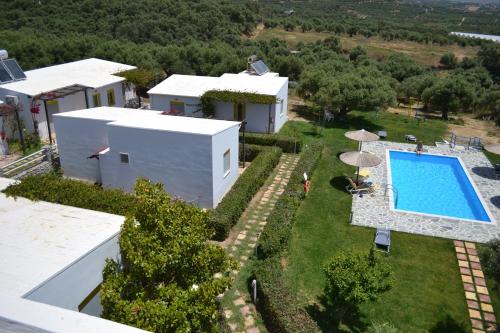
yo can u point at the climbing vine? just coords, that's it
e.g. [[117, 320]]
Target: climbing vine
[[210, 97]]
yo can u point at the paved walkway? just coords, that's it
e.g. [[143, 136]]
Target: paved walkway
[[239, 309], [479, 304], [375, 211]]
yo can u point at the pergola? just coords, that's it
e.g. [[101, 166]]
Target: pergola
[[60, 93]]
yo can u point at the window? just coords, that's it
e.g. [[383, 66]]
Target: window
[[111, 97], [282, 107], [97, 99], [177, 108], [239, 112], [124, 158], [227, 162]]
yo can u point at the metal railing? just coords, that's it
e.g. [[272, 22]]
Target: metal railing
[[27, 162], [394, 192]]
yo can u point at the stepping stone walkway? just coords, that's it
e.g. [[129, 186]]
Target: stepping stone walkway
[[478, 298], [242, 247]]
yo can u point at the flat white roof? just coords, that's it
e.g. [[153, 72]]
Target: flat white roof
[[147, 119], [92, 73], [39, 239], [196, 86]]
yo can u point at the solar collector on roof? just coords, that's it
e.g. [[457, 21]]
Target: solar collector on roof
[[14, 69]]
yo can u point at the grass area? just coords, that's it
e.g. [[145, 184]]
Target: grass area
[[494, 158], [428, 294], [427, 54]]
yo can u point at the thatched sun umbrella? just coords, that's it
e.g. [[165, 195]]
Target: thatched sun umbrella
[[361, 136], [360, 159], [495, 149]]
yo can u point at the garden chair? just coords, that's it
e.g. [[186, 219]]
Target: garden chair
[[382, 134], [410, 138], [383, 240]]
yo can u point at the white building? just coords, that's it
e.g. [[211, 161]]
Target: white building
[[181, 94], [51, 263], [60, 88], [195, 159]]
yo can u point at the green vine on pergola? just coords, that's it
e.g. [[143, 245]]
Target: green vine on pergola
[[238, 97]]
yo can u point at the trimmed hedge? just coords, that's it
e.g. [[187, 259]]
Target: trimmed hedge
[[236, 200], [277, 303], [286, 143], [274, 237], [52, 187]]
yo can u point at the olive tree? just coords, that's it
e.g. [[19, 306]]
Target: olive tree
[[169, 275]]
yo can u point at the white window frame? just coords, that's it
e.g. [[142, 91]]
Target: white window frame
[[228, 170], [282, 106]]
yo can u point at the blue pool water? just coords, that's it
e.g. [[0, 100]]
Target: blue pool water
[[434, 184]]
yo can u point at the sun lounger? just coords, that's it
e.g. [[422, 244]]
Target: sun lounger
[[382, 134], [383, 240], [410, 138], [361, 188]]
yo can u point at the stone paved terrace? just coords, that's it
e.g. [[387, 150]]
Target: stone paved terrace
[[373, 210]]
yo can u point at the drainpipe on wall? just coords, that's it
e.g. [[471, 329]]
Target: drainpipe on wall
[[86, 99], [48, 120]]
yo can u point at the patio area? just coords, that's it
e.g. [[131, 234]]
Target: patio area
[[373, 210]]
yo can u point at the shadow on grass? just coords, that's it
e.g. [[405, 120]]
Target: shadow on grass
[[305, 112], [338, 182], [448, 325], [485, 172], [331, 318], [352, 122]]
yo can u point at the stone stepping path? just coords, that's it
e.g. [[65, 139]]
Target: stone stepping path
[[478, 298], [241, 315]]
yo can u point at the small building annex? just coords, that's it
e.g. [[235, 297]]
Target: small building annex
[[182, 95], [43, 92], [195, 159]]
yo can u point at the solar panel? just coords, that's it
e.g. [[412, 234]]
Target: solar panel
[[260, 67], [14, 69], [4, 75]]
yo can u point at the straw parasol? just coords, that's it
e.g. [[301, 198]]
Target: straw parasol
[[359, 159], [495, 149], [361, 136]]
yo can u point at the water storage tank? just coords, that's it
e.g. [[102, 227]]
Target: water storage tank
[[3, 54]]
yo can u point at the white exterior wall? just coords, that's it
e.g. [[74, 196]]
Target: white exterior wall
[[281, 119], [24, 114], [67, 103], [68, 288], [192, 105], [221, 142], [181, 161], [78, 139]]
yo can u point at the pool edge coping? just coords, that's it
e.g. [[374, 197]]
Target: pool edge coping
[[478, 193]]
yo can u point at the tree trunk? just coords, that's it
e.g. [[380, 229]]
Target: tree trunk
[[445, 115]]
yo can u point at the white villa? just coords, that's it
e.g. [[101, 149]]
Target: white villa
[[43, 92], [195, 159], [181, 95]]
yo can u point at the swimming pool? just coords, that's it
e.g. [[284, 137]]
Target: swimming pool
[[434, 185]]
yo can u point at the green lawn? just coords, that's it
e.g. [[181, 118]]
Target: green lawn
[[428, 294]]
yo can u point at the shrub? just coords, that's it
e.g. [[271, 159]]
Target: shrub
[[274, 237], [229, 210], [490, 258], [382, 328], [52, 187], [169, 276], [353, 278], [277, 302], [286, 143]]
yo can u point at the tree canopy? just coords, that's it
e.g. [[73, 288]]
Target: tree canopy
[[169, 275]]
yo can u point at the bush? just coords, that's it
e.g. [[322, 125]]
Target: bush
[[353, 278], [286, 143], [236, 200], [382, 328], [277, 303], [490, 258], [52, 187], [274, 237]]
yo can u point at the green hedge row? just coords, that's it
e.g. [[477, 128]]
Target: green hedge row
[[236, 200], [274, 237], [286, 143], [52, 187], [277, 303]]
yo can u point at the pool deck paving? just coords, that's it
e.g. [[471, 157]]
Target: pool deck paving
[[479, 305], [373, 210]]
